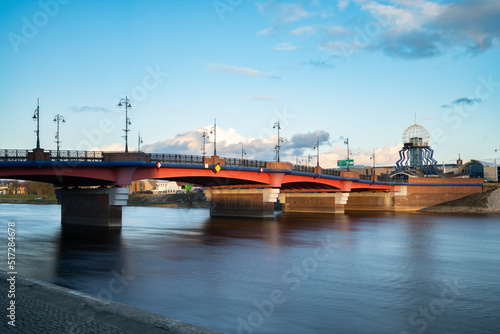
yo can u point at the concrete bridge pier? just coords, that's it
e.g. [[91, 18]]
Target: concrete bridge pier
[[99, 207], [255, 203], [328, 203]]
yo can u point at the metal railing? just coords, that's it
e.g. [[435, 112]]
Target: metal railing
[[13, 155], [176, 158], [397, 179], [331, 171], [76, 155], [302, 168], [365, 177], [245, 163]]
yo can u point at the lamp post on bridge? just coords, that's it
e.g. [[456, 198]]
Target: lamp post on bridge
[[373, 158], [214, 132], [280, 140], [58, 118], [139, 142], [243, 152], [317, 154], [346, 141], [496, 168], [126, 101], [205, 138], [36, 117]]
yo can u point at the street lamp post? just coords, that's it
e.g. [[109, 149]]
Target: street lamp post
[[346, 141], [126, 101], [496, 168], [373, 158], [37, 117], [278, 146], [317, 154], [205, 138], [139, 142], [214, 132], [58, 118], [243, 152]]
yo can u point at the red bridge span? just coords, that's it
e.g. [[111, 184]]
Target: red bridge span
[[92, 188]]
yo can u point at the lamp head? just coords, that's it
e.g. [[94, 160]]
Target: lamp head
[[119, 104]]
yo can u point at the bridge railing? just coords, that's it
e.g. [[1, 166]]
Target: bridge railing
[[331, 171], [176, 158], [365, 177], [245, 163], [76, 155], [13, 155], [302, 168], [387, 178]]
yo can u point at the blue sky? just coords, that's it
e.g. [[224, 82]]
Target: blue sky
[[330, 69]]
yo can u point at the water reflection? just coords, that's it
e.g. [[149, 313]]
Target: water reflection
[[86, 251]]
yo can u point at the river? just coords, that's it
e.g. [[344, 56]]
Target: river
[[352, 273]]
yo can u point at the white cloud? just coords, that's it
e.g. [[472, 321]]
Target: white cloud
[[236, 70], [229, 143], [337, 30], [115, 147], [342, 4], [303, 30], [266, 31], [285, 47]]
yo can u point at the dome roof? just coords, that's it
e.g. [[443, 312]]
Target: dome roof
[[416, 135]]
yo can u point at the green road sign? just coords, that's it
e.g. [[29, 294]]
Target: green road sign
[[343, 163]]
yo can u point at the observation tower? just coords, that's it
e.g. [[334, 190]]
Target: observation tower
[[416, 156]]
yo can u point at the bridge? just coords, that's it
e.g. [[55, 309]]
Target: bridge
[[92, 187]]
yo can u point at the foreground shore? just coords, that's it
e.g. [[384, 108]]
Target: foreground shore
[[41, 307]]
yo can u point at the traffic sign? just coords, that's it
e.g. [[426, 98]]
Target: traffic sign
[[347, 162]]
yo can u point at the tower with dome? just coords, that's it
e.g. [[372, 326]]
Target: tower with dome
[[416, 156]]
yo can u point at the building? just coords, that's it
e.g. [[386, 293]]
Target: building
[[167, 187], [480, 169]]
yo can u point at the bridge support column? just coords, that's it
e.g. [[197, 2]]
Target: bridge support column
[[257, 203], [313, 202], [100, 207]]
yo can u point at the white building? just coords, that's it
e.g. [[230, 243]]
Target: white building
[[167, 187]]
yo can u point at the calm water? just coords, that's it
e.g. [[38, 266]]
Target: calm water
[[376, 273]]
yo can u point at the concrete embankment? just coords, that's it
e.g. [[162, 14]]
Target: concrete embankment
[[485, 202], [41, 307]]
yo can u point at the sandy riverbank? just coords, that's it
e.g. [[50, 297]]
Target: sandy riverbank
[[486, 202]]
